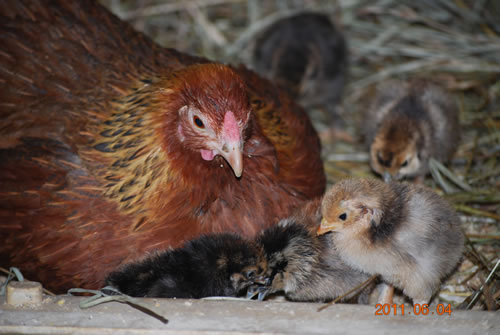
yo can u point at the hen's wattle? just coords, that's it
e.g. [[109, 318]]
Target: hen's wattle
[[102, 155]]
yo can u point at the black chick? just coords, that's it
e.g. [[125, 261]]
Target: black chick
[[212, 265], [304, 266], [306, 54]]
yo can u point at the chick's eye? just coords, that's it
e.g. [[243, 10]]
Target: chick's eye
[[343, 216], [250, 274], [405, 163], [197, 121]]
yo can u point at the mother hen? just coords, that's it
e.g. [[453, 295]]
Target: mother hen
[[112, 146]]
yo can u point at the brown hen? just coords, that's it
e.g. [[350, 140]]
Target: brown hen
[[112, 146]]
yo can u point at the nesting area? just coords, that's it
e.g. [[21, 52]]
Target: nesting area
[[114, 149], [454, 42]]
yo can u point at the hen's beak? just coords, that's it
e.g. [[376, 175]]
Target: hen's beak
[[232, 151], [326, 227], [232, 148]]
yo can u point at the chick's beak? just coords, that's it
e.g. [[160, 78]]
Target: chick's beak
[[263, 280], [387, 177], [233, 154], [326, 227]]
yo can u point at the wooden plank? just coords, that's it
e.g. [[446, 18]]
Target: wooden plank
[[61, 315]]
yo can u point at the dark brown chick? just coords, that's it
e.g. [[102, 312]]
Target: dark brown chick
[[306, 54], [407, 124], [212, 265], [304, 266], [406, 233]]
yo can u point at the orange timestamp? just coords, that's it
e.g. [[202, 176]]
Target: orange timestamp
[[418, 309]]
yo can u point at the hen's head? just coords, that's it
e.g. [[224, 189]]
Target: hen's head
[[213, 112]]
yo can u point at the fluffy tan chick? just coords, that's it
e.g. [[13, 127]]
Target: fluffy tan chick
[[408, 123], [406, 233]]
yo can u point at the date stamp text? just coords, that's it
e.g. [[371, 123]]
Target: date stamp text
[[418, 309]]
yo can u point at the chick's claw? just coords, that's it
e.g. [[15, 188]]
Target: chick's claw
[[256, 290], [252, 291]]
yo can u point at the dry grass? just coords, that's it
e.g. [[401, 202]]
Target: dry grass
[[456, 42]]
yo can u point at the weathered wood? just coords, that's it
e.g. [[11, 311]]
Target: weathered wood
[[61, 315]]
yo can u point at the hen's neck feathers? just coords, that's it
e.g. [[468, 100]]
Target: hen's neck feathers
[[141, 156]]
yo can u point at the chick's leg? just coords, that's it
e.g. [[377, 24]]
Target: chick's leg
[[386, 294], [421, 302]]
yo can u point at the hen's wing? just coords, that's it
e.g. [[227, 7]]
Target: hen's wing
[[61, 65], [51, 80]]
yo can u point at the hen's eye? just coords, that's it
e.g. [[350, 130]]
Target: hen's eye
[[343, 216], [197, 121], [405, 163]]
